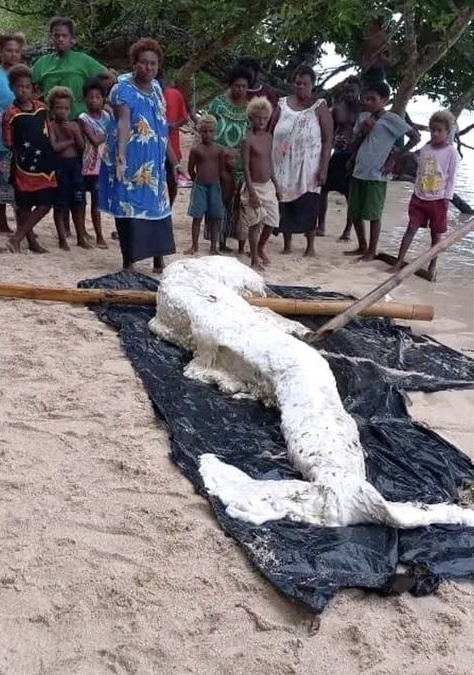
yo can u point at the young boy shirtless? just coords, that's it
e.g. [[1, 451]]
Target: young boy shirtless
[[204, 167], [68, 143], [259, 195]]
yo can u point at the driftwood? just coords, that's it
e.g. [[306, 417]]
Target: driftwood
[[287, 306], [394, 280]]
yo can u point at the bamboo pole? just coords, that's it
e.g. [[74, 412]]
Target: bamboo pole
[[392, 281], [287, 306]]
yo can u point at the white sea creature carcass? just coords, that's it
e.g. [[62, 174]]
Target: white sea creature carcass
[[249, 352]]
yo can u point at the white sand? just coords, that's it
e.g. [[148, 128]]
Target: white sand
[[109, 560]]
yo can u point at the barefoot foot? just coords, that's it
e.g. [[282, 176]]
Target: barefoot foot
[[309, 253], [191, 251], [64, 246], [357, 251], [101, 243], [85, 243]]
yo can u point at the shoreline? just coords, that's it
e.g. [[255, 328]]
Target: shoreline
[[112, 563]]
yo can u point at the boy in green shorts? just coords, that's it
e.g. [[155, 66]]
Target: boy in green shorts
[[376, 133]]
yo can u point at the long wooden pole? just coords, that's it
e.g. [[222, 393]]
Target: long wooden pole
[[392, 281], [288, 306]]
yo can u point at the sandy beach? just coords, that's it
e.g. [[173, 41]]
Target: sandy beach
[[110, 562]]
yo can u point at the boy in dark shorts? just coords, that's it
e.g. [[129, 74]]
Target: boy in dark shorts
[[434, 186], [25, 132], [259, 214], [204, 167], [68, 144], [93, 125], [375, 135]]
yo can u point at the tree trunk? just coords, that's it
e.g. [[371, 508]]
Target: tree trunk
[[463, 101], [427, 57]]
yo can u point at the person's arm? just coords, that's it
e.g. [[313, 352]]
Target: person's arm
[[7, 131], [390, 165], [183, 115], [451, 173], [59, 145], [94, 136], [246, 154], [327, 129], [78, 137], [274, 119], [6, 94], [122, 114], [192, 164]]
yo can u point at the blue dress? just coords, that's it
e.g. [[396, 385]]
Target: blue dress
[[139, 203]]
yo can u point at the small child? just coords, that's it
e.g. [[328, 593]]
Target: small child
[[93, 124], [375, 135], [25, 132], [259, 213], [68, 144], [204, 167], [434, 186]]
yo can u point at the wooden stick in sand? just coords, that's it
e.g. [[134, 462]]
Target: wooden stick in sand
[[287, 306], [394, 280]]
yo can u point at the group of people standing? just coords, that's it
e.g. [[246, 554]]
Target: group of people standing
[[262, 163]]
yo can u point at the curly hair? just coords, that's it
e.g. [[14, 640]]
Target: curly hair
[[19, 38], [444, 117], [17, 73], [62, 21], [303, 70], [95, 84], [260, 105], [58, 93], [239, 73], [145, 45], [380, 88], [206, 121]]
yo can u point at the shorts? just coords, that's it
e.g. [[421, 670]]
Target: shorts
[[70, 192], [206, 200], [91, 184], [366, 199], [339, 176], [266, 214], [43, 197], [428, 213]]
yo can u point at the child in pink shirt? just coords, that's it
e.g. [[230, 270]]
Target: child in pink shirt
[[434, 187]]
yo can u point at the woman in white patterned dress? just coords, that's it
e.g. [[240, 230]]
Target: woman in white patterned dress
[[302, 141]]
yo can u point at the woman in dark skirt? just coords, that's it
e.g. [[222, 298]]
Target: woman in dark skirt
[[132, 184], [302, 140]]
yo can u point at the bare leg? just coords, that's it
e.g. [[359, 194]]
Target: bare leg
[[223, 248], [286, 244], [361, 239], [322, 210], [310, 252], [253, 243], [96, 220], [432, 267], [375, 227], [67, 224], [214, 226], [158, 264], [4, 227], [127, 264], [241, 250], [346, 235], [26, 220], [264, 237], [195, 232], [404, 246], [78, 214], [60, 223]]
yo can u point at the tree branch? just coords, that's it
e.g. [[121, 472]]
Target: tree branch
[[19, 12]]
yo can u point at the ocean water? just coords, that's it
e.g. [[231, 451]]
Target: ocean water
[[457, 263]]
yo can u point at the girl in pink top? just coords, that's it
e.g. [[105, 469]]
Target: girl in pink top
[[434, 187]]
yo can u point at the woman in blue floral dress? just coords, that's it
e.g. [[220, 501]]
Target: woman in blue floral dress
[[132, 185]]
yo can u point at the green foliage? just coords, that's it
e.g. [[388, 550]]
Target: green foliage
[[281, 33]]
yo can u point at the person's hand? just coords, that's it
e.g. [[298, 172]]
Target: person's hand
[[367, 125], [254, 200], [121, 166], [391, 163], [321, 177]]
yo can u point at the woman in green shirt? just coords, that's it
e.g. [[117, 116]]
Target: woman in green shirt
[[66, 67]]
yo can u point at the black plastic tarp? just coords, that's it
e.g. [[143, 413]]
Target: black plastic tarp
[[374, 362]]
